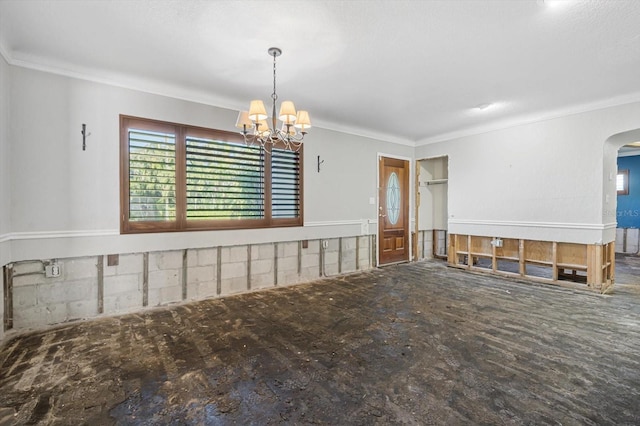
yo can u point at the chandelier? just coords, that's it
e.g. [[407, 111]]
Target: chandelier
[[256, 129]]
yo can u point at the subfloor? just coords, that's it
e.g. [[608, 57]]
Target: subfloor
[[417, 343]]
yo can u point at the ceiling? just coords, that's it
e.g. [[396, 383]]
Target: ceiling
[[407, 71]]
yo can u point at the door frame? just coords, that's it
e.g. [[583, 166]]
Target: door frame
[[419, 201], [411, 192]]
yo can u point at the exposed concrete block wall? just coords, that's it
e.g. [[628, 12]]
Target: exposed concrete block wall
[[123, 284], [39, 301], [90, 286], [425, 244], [201, 273], [627, 240]]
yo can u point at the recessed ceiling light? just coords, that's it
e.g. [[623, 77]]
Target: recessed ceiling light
[[554, 4]]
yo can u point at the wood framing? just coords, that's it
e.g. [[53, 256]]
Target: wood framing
[[589, 266]]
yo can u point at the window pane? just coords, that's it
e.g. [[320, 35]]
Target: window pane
[[285, 178], [620, 182], [225, 180], [152, 170]]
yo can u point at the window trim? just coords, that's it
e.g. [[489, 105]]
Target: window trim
[[625, 182], [181, 223]]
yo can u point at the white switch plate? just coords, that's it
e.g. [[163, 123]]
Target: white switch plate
[[372, 201]]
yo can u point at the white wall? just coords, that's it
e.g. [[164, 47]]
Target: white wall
[[543, 180], [66, 201]]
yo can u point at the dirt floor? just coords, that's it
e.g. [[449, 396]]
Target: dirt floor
[[417, 343]]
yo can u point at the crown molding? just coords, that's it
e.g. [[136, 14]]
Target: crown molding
[[532, 118], [162, 88]]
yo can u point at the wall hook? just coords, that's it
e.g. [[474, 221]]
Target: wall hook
[[319, 162], [85, 135]]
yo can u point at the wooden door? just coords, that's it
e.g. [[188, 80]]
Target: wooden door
[[393, 211]]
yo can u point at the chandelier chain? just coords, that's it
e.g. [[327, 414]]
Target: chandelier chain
[[274, 95]]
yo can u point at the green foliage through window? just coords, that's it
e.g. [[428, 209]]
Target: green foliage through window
[[177, 177]]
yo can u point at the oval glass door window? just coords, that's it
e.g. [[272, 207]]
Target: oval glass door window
[[393, 198]]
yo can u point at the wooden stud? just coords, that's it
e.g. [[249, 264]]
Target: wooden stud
[[184, 274], [357, 253], [339, 255], [219, 271], [100, 284], [145, 279], [521, 258], [8, 296], [275, 263], [248, 266], [554, 270], [494, 260]]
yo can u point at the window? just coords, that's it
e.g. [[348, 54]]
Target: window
[[176, 178], [622, 182]]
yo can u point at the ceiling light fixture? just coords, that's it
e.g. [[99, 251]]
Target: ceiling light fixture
[[256, 130]]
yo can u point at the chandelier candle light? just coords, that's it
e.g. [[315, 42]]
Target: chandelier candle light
[[256, 130]]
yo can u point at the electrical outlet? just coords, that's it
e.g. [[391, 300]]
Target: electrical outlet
[[325, 244], [52, 270]]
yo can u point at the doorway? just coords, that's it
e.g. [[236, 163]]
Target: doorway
[[393, 211], [432, 177]]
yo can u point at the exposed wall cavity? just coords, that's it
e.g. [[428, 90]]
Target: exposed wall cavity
[[113, 284]]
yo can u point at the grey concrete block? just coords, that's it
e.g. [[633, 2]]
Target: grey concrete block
[[170, 294], [62, 292], [40, 316], [202, 290], [164, 296], [289, 278], [349, 243], [123, 302], [122, 284], [310, 273], [309, 260], [234, 270], [200, 273], [262, 266], [331, 257], [290, 249], [82, 309], [80, 268], [166, 278], [28, 267], [202, 256], [262, 251], [34, 279], [163, 260], [24, 297], [288, 264], [127, 264], [233, 285], [348, 266], [261, 281], [234, 254], [313, 248]]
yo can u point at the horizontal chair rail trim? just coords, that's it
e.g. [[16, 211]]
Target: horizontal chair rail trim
[[592, 226]]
